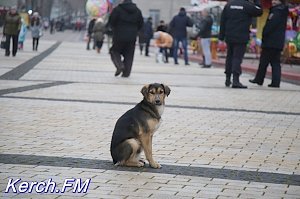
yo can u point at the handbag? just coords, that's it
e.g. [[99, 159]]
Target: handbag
[[3, 42], [41, 33]]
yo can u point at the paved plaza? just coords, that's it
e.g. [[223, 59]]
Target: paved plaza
[[59, 105]]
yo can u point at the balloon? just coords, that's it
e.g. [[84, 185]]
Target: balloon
[[96, 8]]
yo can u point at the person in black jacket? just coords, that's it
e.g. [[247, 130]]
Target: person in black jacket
[[236, 19], [273, 39], [148, 33], [178, 26], [205, 27], [126, 20], [90, 33]]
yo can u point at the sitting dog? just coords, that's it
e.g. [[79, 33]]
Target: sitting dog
[[134, 130]]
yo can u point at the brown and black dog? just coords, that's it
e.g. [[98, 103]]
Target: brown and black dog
[[134, 130]]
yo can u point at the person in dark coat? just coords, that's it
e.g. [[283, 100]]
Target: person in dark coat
[[126, 20], [90, 33], [178, 26], [11, 29], [236, 19], [205, 27], [273, 39], [148, 31], [141, 39], [162, 26], [99, 31]]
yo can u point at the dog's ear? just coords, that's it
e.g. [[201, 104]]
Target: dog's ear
[[145, 90], [166, 89]]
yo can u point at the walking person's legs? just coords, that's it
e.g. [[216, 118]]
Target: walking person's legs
[[7, 45], [147, 47], [15, 44], [185, 50], [175, 50], [115, 55], [238, 55], [88, 42], [264, 61], [33, 43], [37, 44], [128, 54], [276, 68], [205, 43], [228, 64], [166, 56]]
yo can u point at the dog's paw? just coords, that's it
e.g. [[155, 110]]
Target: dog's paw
[[141, 164], [155, 165], [142, 160]]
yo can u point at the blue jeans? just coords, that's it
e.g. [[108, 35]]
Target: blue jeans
[[184, 46]]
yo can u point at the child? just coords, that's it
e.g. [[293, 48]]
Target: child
[[22, 35]]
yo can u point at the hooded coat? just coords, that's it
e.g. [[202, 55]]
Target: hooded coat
[[126, 20], [273, 35], [179, 23], [12, 24], [99, 30]]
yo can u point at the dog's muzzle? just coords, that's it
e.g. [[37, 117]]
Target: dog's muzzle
[[157, 100]]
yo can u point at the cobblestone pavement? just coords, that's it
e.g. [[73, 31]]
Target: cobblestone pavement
[[59, 106]]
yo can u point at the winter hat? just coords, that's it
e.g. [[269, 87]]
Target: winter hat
[[156, 35]]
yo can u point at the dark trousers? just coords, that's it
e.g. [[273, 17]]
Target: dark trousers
[[269, 56], [35, 43], [99, 44], [147, 47], [125, 49], [89, 41], [164, 51], [14, 44], [234, 58]]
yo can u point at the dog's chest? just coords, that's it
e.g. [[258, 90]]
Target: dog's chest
[[153, 125], [157, 125]]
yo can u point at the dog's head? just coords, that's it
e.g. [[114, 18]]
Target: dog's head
[[155, 93]]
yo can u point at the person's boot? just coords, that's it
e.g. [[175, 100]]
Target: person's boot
[[228, 80], [117, 62], [236, 82], [254, 81]]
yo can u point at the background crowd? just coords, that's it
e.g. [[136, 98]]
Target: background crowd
[[125, 24]]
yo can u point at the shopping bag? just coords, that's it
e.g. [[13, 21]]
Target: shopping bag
[[41, 33]]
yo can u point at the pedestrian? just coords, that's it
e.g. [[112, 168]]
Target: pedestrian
[[273, 39], [12, 25], [205, 27], [22, 35], [36, 28], [141, 40], [148, 31], [162, 26], [52, 26], [163, 41], [126, 20], [236, 19], [178, 26], [99, 31], [90, 33]]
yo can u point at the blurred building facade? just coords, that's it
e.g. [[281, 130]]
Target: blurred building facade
[[161, 9]]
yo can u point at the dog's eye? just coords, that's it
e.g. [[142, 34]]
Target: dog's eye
[[161, 92], [152, 92]]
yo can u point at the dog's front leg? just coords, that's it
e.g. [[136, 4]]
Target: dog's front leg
[[147, 145]]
